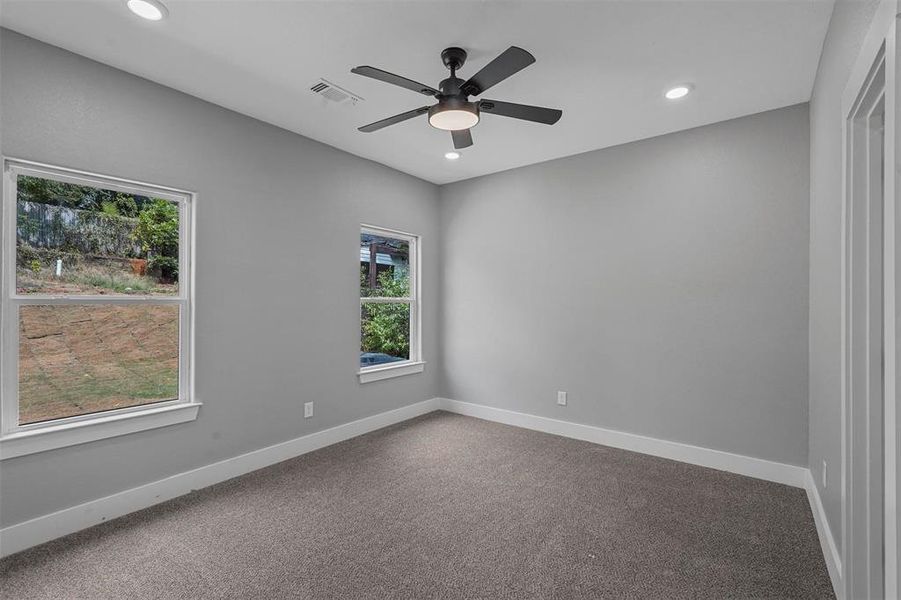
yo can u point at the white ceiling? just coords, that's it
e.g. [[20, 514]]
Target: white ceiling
[[605, 64]]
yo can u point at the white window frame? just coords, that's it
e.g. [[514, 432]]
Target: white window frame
[[19, 440], [415, 364]]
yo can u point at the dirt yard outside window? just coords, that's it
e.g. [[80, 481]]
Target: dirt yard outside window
[[75, 360]]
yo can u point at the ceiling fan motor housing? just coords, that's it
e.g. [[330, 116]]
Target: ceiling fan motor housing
[[454, 111], [451, 87]]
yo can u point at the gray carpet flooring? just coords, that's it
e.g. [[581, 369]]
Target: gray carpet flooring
[[442, 507]]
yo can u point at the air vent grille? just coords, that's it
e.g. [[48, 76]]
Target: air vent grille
[[334, 93]]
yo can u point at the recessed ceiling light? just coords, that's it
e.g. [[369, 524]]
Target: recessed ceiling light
[[152, 10], [680, 91], [451, 155]]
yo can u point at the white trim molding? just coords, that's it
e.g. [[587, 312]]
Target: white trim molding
[[881, 42], [415, 363], [824, 532], [21, 536], [390, 370], [96, 428], [705, 457], [18, 439]]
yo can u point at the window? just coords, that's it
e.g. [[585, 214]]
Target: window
[[389, 304], [96, 303]]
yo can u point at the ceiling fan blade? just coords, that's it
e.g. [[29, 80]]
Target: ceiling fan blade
[[538, 114], [387, 77], [394, 120], [510, 61], [462, 138]]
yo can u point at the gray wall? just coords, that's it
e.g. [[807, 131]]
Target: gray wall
[[277, 266], [850, 21], [663, 284]]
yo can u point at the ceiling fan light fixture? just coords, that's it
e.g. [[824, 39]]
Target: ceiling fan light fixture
[[454, 115]]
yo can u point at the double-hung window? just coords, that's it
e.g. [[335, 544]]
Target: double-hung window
[[389, 304], [96, 308]]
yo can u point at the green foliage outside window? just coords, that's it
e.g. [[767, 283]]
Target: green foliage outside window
[[386, 327], [157, 232], [80, 197]]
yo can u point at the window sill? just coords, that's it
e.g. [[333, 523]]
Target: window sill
[[389, 371], [80, 432]]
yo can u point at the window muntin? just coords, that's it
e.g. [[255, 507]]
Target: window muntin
[[96, 297], [389, 299]]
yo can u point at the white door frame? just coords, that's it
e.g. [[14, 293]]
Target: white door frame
[[883, 34]]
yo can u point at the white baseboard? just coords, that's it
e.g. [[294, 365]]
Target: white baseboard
[[715, 459], [827, 542], [48, 527]]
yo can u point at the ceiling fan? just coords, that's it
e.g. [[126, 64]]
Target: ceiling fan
[[454, 111]]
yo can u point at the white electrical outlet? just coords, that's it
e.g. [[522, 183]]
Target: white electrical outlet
[[307, 410], [825, 475], [561, 398]]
